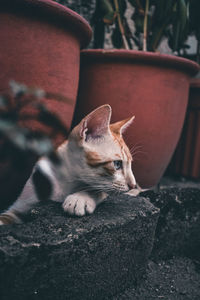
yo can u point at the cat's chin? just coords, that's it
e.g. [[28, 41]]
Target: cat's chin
[[124, 191], [118, 191]]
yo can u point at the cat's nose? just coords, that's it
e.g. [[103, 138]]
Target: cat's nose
[[131, 182], [131, 185]]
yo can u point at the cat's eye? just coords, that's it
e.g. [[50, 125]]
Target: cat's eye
[[117, 164]]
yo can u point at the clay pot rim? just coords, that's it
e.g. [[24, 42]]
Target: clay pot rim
[[150, 58], [53, 10]]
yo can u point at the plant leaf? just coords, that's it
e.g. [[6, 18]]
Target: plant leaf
[[107, 12], [49, 119]]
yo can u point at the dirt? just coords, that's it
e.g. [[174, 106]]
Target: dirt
[[56, 257], [174, 279], [173, 271], [173, 267]]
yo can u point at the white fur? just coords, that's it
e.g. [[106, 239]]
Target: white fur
[[79, 204], [45, 167]]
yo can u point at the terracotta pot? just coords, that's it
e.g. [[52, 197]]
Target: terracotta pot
[[151, 86], [40, 46], [186, 160]]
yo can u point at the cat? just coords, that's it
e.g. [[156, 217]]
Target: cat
[[94, 161]]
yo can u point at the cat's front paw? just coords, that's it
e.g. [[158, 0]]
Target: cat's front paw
[[9, 218], [79, 204]]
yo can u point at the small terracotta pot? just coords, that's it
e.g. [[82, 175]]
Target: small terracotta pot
[[186, 160], [40, 46], [151, 86], [40, 43]]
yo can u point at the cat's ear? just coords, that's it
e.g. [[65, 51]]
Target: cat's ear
[[96, 124], [121, 126]]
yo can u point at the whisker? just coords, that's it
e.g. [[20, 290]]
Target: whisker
[[141, 153], [133, 149], [136, 145]]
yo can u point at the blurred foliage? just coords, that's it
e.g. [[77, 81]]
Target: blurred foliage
[[165, 18], [19, 142], [194, 23], [195, 17]]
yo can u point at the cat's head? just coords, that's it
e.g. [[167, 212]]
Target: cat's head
[[100, 156]]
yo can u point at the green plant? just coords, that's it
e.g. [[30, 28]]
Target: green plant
[[153, 20], [194, 22]]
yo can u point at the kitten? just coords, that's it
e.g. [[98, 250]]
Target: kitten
[[94, 161]]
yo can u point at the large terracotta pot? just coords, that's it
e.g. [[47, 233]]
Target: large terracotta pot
[[40, 43], [186, 160], [151, 86], [40, 46]]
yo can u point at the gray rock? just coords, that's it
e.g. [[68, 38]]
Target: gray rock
[[178, 227], [174, 265], [58, 257], [174, 279]]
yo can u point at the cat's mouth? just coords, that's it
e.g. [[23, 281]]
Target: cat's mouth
[[121, 188], [125, 188]]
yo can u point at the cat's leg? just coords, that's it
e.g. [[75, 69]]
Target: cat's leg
[[82, 203], [42, 185], [21, 206]]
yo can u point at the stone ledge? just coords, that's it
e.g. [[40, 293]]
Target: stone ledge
[[178, 227], [173, 268], [94, 257], [174, 279]]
